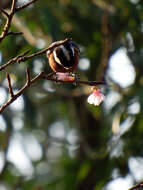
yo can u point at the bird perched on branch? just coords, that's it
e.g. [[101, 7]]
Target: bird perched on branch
[[64, 58]]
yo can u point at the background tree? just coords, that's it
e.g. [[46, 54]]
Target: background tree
[[50, 137]]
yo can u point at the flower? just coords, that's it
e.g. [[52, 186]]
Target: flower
[[64, 77], [96, 97]]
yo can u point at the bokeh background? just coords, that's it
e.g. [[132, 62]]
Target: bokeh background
[[50, 137]]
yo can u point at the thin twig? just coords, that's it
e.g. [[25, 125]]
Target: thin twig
[[14, 33], [8, 21], [13, 60], [89, 83], [25, 58], [9, 17], [13, 6], [9, 85], [140, 185], [22, 57], [27, 75], [4, 12], [25, 5], [20, 92], [41, 75]]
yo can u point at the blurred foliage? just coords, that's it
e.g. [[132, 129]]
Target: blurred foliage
[[80, 149]]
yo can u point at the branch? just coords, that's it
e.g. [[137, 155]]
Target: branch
[[4, 12], [8, 21], [21, 58], [14, 33], [13, 60], [13, 5], [52, 46], [24, 6], [29, 82], [9, 85], [76, 81], [91, 83], [140, 185], [41, 75], [20, 92], [28, 75], [9, 17]]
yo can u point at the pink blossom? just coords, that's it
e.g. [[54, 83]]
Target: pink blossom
[[96, 97], [64, 77]]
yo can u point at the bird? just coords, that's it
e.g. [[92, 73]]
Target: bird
[[64, 58]]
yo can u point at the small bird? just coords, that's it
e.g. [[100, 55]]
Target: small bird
[[64, 58]]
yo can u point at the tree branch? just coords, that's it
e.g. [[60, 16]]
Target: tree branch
[[20, 92], [58, 43], [4, 12], [24, 6], [89, 83], [14, 33], [44, 76], [9, 17], [140, 185], [13, 60], [13, 5], [9, 85], [28, 75], [8, 21], [52, 76], [21, 58]]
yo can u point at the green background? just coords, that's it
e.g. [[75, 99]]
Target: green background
[[74, 145]]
